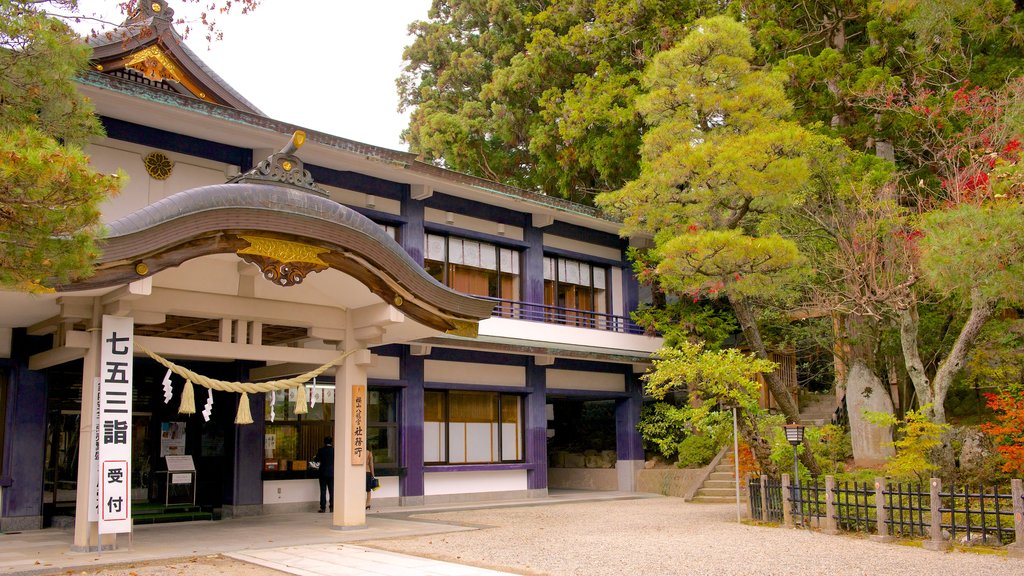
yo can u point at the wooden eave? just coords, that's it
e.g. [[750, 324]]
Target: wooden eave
[[160, 42], [225, 218]]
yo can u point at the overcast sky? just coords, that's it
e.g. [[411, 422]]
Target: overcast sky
[[325, 65]]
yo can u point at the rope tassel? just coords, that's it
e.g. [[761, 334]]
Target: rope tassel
[[244, 415], [300, 400], [188, 399]]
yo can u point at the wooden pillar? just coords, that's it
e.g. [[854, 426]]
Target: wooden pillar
[[787, 503], [86, 532], [830, 526], [764, 498], [935, 540], [349, 469], [881, 514], [1016, 549]]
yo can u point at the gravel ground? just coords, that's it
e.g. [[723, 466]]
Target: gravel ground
[[659, 536]]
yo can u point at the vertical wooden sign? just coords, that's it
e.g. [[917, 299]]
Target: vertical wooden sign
[[115, 446], [358, 425]]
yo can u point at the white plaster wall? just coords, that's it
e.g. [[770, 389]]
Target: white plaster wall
[[473, 373], [362, 200], [469, 223], [388, 487], [384, 367], [572, 335], [579, 380], [135, 193], [438, 483], [308, 490], [141, 190], [289, 491], [616, 288], [582, 247]]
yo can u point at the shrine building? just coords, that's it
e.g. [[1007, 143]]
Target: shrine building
[[474, 337]]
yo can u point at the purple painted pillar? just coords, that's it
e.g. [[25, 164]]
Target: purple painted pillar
[[533, 265], [628, 443], [24, 442], [410, 484], [245, 496], [630, 291], [412, 235], [536, 430], [629, 448]]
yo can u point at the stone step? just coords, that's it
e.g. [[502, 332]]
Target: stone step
[[719, 484], [721, 476], [815, 421], [717, 492], [717, 499]]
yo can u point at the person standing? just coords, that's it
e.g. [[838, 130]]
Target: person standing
[[325, 458], [369, 477]]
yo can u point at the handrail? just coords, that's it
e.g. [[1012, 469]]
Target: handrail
[[534, 312]]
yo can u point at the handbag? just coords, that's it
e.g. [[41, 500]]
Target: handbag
[[374, 483]]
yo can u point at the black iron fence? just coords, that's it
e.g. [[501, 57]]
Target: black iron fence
[[986, 516]]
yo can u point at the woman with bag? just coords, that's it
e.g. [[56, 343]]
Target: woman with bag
[[371, 480]]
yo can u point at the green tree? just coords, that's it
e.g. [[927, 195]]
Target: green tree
[[720, 162], [536, 94], [49, 197], [712, 378]]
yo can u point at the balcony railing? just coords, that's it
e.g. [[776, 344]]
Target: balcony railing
[[567, 316]]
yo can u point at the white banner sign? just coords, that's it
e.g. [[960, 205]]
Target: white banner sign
[[115, 431], [94, 454]]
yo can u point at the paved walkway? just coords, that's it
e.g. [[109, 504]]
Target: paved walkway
[[349, 560], [269, 540]]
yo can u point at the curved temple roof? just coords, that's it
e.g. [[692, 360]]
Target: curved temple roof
[[148, 45], [274, 217]]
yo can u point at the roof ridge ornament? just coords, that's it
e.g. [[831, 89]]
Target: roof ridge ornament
[[157, 9], [284, 168]]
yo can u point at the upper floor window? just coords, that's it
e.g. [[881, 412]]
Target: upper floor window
[[575, 286], [473, 267], [468, 427]]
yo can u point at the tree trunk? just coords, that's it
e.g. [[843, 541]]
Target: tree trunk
[[760, 446], [909, 327], [933, 391], [752, 332], [981, 311]]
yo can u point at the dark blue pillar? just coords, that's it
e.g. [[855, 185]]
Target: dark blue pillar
[[629, 448], [410, 485], [536, 429], [630, 293], [245, 488], [24, 442], [533, 269], [412, 235], [628, 443]]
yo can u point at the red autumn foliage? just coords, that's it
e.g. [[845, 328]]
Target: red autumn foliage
[[1008, 430]]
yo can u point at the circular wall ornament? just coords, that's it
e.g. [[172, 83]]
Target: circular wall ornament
[[158, 165]]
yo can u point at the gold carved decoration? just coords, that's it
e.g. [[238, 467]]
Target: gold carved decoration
[[282, 262], [155, 65], [466, 328], [158, 165]]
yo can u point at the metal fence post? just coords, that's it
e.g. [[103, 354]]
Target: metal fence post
[[764, 498], [1016, 549], [747, 490], [881, 514], [787, 503], [830, 506], [936, 542]]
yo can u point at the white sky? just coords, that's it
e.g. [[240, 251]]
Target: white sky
[[325, 65]]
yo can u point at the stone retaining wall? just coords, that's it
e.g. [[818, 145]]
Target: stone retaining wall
[[669, 481]]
